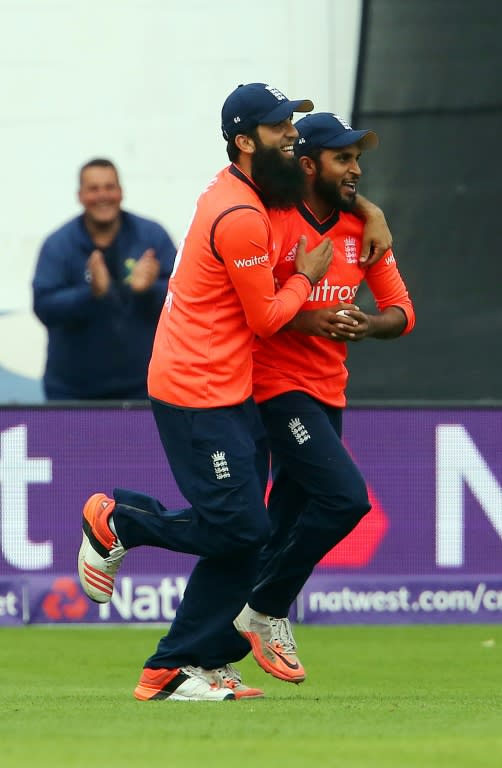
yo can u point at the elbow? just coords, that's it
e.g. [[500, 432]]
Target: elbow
[[410, 324], [40, 310], [262, 330], [37, 310], [406, 322]]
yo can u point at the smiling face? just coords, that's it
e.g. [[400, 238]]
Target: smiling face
[[274, 168], [337, 176], [101, 195], [281, 136]]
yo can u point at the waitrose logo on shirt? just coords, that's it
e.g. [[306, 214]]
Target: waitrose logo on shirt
[[329, 292], [252, 262]]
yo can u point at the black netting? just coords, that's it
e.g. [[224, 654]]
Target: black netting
[[429, 84]]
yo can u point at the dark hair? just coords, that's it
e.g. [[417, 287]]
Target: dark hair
[[232, 150], [98, 162], [314, 154]]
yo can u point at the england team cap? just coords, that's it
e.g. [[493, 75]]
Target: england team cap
[[325, 130], [257, 104]]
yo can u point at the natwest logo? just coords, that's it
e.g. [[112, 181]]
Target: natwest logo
[[17, 472], [144, 602], [9, 604], [65, 601]]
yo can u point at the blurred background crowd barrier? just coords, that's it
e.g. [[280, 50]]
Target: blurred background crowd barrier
[[429, 550]]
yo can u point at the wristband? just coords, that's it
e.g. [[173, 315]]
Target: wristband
[[308, 278]]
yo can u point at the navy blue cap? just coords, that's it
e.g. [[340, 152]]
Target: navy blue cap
[[324, 130], [257, 104]]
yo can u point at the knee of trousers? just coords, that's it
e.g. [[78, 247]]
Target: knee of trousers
[[360, 503], [253, 534], [351, 508]]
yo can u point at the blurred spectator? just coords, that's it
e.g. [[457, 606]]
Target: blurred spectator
[[99, 286]]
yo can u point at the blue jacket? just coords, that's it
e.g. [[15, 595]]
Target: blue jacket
[[99, 348]]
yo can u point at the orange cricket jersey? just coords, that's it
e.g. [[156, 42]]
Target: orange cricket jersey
[[290, 360], [221, 293]]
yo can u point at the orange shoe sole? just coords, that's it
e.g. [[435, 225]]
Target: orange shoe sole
[[291, 672]]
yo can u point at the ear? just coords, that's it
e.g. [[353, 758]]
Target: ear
[[244, 143], [308, 166]]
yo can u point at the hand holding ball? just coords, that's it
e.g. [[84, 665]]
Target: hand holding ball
[[343, 313]]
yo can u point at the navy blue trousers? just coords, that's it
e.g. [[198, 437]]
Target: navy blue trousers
[[318, 496], [219, 459]]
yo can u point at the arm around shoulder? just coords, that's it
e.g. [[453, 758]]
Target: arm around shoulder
[[377, 237]]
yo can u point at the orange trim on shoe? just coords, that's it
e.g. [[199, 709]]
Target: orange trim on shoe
[[244, 691], [153, 683], [278, 665], [97, 511]]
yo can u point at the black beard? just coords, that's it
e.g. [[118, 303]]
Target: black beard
[[328, 192], [279, 178]]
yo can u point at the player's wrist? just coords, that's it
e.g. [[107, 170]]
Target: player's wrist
[[367, 210], [304, 274]]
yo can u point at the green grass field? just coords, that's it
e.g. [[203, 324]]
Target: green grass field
[[375, 697]]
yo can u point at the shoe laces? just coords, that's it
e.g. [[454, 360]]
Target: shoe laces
[[114, 559], [227, 675], [281, 634], [221, 677], [203, 674]]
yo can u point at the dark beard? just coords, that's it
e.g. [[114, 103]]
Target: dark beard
[[279, 178], [330, 194]]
